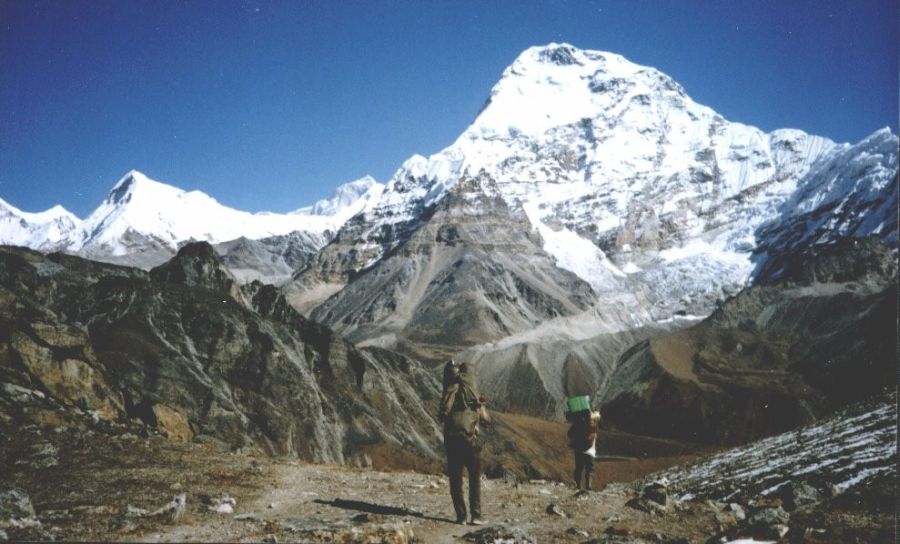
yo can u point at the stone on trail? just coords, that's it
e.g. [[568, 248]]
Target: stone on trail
[[224, 505], [554, 510], [578, 532], [657, 492], [175, 508]]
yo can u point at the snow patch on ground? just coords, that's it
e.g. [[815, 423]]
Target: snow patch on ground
[[847, 449]]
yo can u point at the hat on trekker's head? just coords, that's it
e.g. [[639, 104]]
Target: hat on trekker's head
[[451, 371]]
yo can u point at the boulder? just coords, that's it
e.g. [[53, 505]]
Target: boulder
[[769, 523], [736, 510], [15, 505], [174, 422], [657, 492], [646, 505], [799, 494]]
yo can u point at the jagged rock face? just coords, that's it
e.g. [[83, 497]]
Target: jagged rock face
[[175, 350], [771, 358], [473, 271], [270, 260], [197, 265], [132, 248], [840, 260]]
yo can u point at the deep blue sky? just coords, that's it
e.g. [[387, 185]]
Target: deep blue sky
[[270, 105]]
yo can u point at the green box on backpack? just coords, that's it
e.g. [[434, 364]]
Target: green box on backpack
[[579, 404]]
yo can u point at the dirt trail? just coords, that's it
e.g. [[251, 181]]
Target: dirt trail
[[335, 500]]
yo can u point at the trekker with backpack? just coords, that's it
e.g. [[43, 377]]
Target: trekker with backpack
[[461, 411], [583, 441]]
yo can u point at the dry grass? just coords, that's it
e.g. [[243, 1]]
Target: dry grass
[[535, 447]]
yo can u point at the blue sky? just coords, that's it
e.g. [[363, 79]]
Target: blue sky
[[270, 105]]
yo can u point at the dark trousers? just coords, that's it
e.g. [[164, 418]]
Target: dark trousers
[[584, 467], [462, 453]]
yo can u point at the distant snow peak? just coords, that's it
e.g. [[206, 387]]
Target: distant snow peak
[[346, 197], [50, 230]]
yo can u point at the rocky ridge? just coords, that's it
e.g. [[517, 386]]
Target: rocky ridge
[[472, 271], [185, 349], [143, 222]]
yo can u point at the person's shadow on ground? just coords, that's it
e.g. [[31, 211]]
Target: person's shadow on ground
[[373, 508]]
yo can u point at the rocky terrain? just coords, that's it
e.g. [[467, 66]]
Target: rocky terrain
[[88, 480], [187, 351]]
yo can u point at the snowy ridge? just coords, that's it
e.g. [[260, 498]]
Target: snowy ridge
[[863, 170], [858, 186], [852, 194], [49, 230], [171, 215], [560, 115], [139, 208]]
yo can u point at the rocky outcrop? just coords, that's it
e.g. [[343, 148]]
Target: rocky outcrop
[[198, 266], [187, 352]]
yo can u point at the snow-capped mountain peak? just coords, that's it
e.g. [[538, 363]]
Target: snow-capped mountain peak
[[596, 147], [139, 209], [558, 84]]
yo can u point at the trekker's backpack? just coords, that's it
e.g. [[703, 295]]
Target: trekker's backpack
[[583, 432], [460, 409]]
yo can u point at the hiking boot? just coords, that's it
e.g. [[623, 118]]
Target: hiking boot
[[476, 521]]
